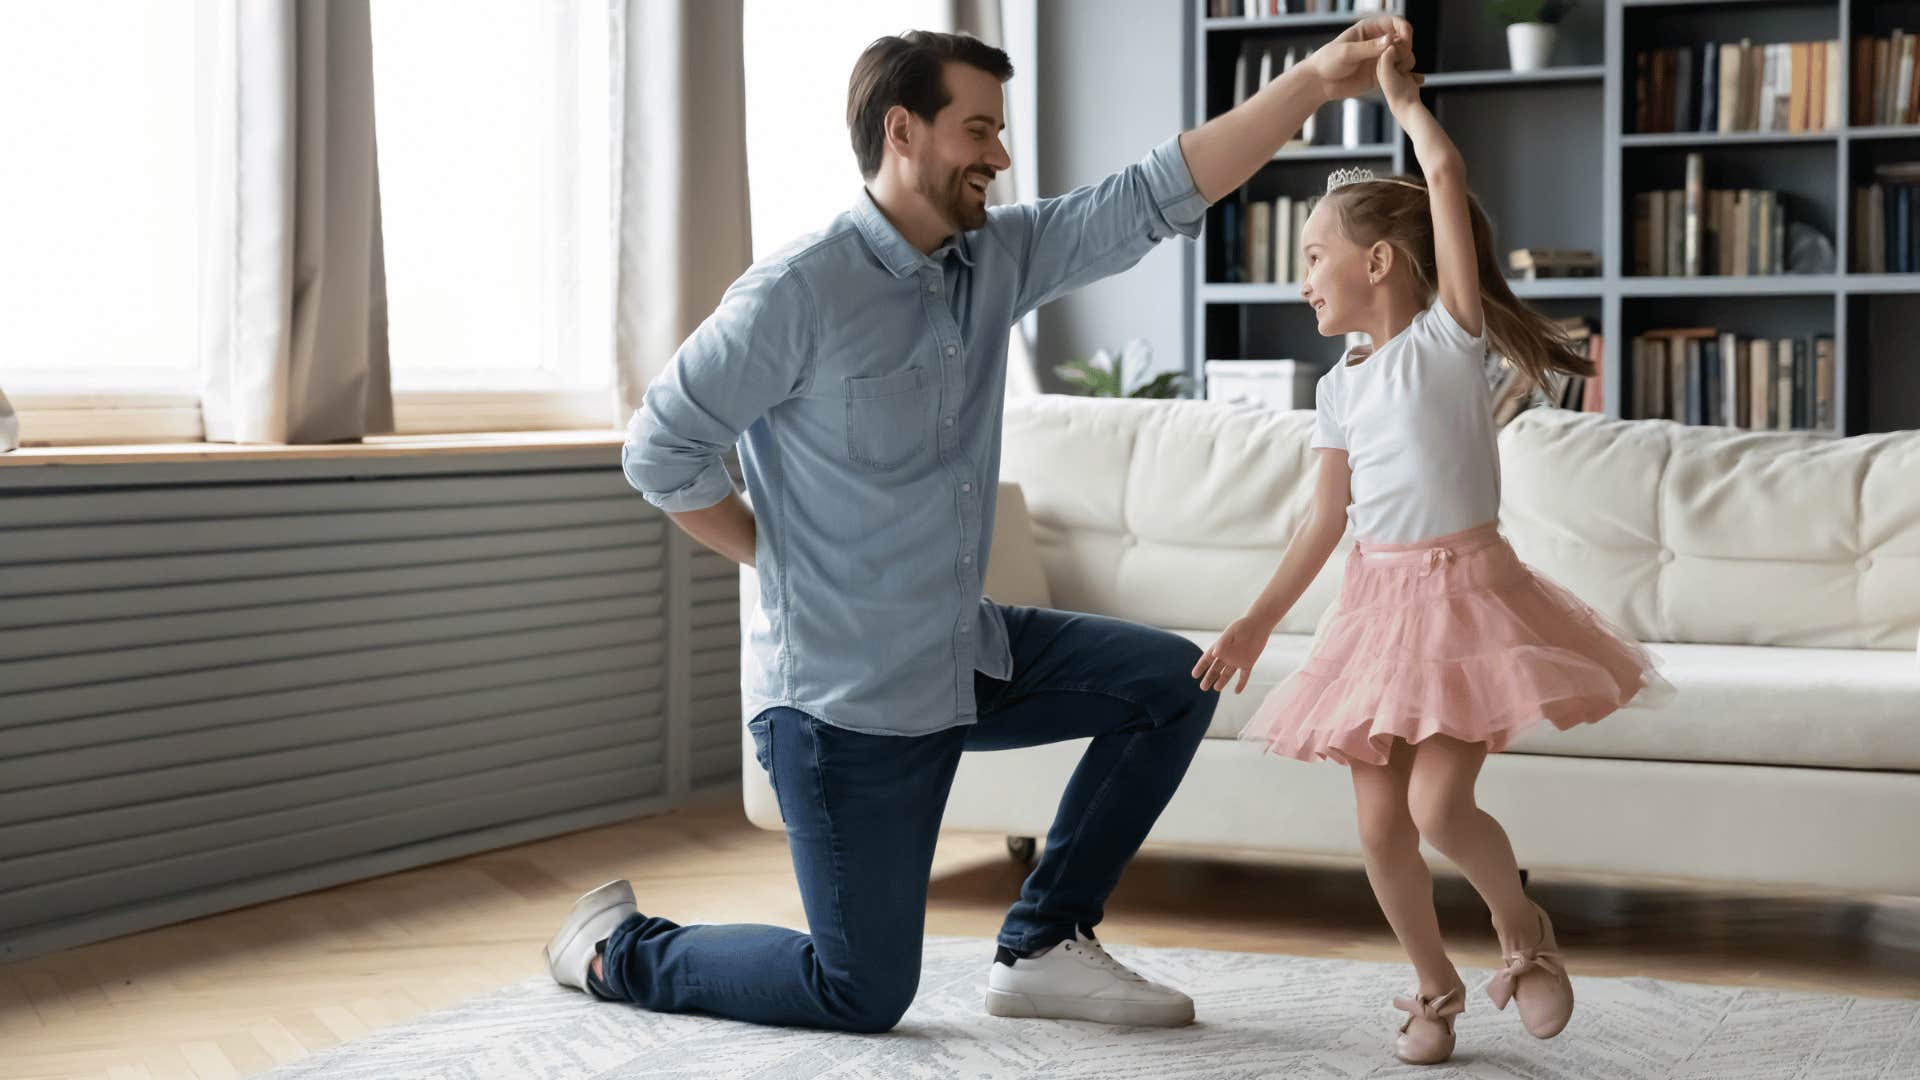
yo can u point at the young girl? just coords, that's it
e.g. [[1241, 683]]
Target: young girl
[[1442, 645]]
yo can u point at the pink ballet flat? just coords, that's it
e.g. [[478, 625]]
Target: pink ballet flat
[[1427, 1036], [1536, 978]]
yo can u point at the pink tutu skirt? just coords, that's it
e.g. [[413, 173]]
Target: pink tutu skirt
[[1450, 636]]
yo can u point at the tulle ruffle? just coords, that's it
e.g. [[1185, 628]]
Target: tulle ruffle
[[1470, 643]]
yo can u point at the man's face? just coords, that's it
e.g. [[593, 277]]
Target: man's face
[[953, 166]]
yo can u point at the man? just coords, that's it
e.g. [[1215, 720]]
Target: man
[[861, 371]]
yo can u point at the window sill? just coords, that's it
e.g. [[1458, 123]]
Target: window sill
[[376, 446]]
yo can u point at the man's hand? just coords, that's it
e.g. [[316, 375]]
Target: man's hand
[[1348, 65]]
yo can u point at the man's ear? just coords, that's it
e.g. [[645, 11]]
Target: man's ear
[[1379, 261], [900, 130]]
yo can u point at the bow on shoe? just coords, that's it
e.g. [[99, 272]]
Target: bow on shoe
[[1436, 1009], [1500, 988]]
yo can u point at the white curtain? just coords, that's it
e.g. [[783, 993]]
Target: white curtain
[[681, 206], [293, 337]]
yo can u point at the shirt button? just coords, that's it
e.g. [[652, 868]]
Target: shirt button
[[966, 560], [966, 628], [966, 487], [949, 421], [949, 350], [933, 288]]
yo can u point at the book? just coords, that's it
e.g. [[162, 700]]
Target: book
[[1783, 384], [1695, 196], [1742, 234], [1657, 233], [1763, 90], [1683, 87], [1284, 256], [1836, 93], [1816, 86], [1232, 241], [1729, 398], [1676, 233], [1260, 243], [1709, 88], [1732, 82], [1797, 86], [1823, 362], [1783, 87]]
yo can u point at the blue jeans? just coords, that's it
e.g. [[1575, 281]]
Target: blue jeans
[[863, 811]]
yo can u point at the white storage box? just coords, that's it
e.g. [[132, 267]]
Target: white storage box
[[1273, 384]]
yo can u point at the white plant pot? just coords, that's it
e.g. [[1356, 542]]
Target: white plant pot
[[1530, 45]]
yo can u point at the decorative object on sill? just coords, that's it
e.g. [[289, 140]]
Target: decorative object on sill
[[1531, 264], [1532, 29], [9, 426], [1104, 376]]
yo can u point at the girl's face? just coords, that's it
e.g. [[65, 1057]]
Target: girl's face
[[1336, 282]]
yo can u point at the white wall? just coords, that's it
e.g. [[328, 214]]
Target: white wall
[[1111, 86]]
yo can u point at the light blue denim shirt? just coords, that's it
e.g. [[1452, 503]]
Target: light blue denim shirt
[[863, 382]]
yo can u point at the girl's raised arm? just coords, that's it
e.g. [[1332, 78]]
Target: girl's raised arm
[[1453, 251]]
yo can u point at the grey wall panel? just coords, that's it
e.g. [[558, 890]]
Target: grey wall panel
[[223, 681], [299, 558], [308, 732], [713, 645], [555, 657]]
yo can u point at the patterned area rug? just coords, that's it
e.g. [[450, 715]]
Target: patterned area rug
[[1259, 1016]]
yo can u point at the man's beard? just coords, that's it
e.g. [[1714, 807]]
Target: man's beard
[[954, 199]]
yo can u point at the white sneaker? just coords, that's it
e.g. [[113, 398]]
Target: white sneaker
[[570, 953], [1077, 980]]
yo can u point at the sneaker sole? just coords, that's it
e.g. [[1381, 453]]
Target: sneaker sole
[[1130, 1013], [614, 894]]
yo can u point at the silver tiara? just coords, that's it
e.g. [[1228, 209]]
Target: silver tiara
[[1343, 177]]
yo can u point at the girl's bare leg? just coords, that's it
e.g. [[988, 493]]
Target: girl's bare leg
[[1398, 873], [1440, 796]]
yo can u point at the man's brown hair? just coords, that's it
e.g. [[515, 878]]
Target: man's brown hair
[[907, 70]]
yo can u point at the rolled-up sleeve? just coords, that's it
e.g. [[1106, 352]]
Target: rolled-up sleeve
[[1097, 231], [755, 351]]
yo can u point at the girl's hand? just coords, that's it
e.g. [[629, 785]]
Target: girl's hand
[[1240, 645], [1394, 70], [1345, 66]]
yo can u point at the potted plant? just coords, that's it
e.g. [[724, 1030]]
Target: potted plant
[[1532, 27], [1105, 376]]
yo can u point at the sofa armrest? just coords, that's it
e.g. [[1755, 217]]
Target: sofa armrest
[[1015, 574]]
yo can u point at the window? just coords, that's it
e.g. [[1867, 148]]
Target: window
[[495, 132], [798, 57], [99, 263]]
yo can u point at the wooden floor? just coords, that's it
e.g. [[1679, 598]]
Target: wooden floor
[[235, 994]]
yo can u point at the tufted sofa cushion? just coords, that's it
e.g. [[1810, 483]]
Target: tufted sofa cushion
[[1176, 513]]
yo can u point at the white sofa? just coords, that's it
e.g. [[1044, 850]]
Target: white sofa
[[1777, 576]]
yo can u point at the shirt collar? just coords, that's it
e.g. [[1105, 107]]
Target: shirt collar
[[899, 257]]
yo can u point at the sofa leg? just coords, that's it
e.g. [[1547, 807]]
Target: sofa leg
[[1022, 848]]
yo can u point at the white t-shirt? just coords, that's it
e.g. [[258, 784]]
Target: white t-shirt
[[1416, 420]]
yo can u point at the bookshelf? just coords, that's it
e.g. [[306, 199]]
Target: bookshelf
[[1555, 159]]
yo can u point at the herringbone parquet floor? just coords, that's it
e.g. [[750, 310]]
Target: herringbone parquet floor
[[235, 994]]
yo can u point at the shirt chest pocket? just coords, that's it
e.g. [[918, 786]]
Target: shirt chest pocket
[[889, 418]]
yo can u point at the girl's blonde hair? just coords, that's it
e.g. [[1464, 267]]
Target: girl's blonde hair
[[1396, 210]]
